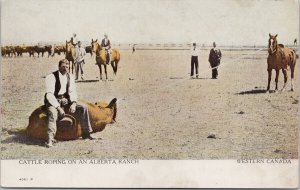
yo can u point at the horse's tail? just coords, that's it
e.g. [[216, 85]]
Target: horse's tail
[[118, 56], [293, 57]]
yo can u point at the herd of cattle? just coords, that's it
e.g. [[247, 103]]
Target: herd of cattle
[[19, 50]]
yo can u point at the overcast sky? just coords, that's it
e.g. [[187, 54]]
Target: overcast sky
[[237, 22]]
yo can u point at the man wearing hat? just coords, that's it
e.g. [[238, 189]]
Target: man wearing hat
[[194, 60], [214, 59], [74, 40], [106, 45], [60, 96], [79, 54]]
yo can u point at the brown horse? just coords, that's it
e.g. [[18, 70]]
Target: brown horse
[[69, 128], [280, 58], [101, 58], [70, 51]]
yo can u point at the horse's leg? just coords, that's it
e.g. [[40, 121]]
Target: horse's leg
[[276, 79], [105, 70], [100, 69], [292, 77], [285, 78], [72, 66], [69, 67], [113, 66], [116, 67], [269, 79]]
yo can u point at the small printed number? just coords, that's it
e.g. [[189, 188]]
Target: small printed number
[[25, 179]]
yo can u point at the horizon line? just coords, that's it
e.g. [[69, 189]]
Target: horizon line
[[168, 44]]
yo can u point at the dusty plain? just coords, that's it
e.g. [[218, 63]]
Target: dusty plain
[[162, 114]]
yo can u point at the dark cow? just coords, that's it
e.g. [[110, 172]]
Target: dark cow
[[8, 51], [29, 50], [39, 49], [44, 49], [48, 48], [20, 50], [59, 49], [3, 51], [88, 49]]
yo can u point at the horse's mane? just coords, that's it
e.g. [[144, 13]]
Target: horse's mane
[[281, 45], [69, 45], [99, 46]]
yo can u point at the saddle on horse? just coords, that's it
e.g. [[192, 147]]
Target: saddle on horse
[[66, 123]]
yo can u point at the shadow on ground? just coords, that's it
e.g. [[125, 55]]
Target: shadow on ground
[[188, 78], [255, 91], [201, 78], [86, 81], [19, 136]]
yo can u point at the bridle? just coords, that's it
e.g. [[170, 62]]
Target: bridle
[[274, 45], [98, 48]]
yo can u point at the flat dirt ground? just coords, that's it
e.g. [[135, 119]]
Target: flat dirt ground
[[162, 114]]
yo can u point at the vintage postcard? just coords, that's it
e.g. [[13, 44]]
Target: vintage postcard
[[149, 93]]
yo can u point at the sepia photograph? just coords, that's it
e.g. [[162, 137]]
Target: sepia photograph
[[149, 93]]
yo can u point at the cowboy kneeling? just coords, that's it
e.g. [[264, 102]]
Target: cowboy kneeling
[[60, 96]]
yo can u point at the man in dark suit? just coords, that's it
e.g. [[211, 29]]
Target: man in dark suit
[[106, 45], [214, 59]]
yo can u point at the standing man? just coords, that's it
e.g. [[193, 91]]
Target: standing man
[[53, 50], [61, 97], [194, 60], [214, 59], [133, 48], [79, 59], [106, 45]]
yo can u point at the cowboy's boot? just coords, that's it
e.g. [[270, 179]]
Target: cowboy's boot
[[107, 57]]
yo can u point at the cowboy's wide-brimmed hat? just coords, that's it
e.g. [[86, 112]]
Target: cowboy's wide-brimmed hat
[[66, 123]]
